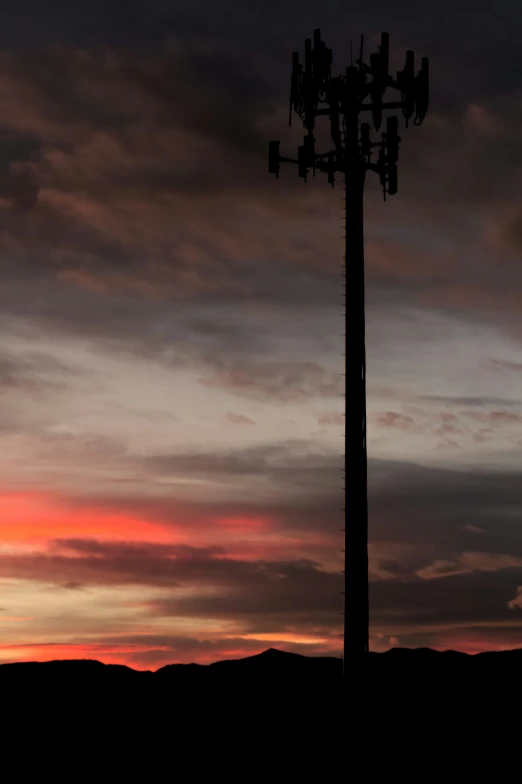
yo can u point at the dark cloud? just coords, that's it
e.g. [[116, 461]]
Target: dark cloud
[[120, 100], [295, 466], [516, 602], [19, 159], [121, 134], [425, 505], [461, 601], [446, 554], [239, 419], [20, 185], [282, 593], [33, 372], [504, 363], [512, 232], [432, 509], [470, 401], [134, 145], [285, 382], [457, 36], [209, 339], [30, 26]]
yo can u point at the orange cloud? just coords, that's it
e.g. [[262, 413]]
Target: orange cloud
[[247, 525], [30, 517]]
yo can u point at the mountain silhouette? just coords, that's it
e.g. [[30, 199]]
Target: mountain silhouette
[[273, 663], [269, 662]]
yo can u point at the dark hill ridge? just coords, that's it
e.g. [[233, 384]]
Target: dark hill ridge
[[273, 662], [269, 662]]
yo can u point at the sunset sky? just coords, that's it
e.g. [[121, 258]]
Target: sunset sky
[[170, 349]]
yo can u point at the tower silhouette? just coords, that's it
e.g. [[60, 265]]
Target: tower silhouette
[[315, 92]]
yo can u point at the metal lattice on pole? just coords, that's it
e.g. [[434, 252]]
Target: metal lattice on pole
[[315, 92]]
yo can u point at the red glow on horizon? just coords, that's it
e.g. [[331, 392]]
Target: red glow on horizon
[[30, 517], [474, 646], [128, 655], [107, 654]]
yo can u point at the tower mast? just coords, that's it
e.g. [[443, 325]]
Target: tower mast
[[315, 92]]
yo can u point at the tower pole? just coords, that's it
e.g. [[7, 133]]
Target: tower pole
[[343, 98], [356, 613]]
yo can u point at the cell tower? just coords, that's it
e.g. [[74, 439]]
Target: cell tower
[[315, 92]]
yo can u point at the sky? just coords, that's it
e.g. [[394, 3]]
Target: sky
[[171, 420]]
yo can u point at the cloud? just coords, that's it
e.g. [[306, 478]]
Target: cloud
[[285, 382], [302, 490], [392, 419], [294, 467], [504, 363], [390, 560], [418, 542], [473, 528], [32, 371], [264, 524], [131, 151], [331, 419], [494, 417], [420, 505], [482, 122], [470, 401], [239, 419], [79, 446], [446, 610], [131, 156], [266, 596], [516, 602], [466, 563], [432, 423], [19, 169], [430, 585]]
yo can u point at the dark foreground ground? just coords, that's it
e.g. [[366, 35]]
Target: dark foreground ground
[[411, 715]]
